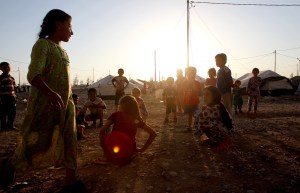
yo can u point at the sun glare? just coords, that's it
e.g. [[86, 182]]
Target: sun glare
[[116, 149]]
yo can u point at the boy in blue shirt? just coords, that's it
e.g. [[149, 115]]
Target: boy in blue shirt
[[224, 81]]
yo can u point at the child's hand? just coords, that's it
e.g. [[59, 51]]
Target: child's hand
[[55, 100]]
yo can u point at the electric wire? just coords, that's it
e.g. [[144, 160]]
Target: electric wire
[[247, 4]]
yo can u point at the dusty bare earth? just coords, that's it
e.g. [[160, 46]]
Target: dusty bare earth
[[265, 157]]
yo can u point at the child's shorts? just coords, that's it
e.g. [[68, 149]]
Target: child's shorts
[[171, 108], [190, 108], [118, 96]]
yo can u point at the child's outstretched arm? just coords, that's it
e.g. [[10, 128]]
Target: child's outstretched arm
[[151, 138]]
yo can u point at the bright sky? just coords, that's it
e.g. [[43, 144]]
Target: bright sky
[[124, 33]]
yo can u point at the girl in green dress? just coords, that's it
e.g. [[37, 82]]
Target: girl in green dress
[[48, 133]]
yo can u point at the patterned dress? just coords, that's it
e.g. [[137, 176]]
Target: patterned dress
[[253, 90], [208, 121], [48, 135]]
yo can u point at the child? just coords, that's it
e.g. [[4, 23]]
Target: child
[[213, 120], [136, 92], [80, 123], [95, 105], [237, 97], [7, 98], [212, 80], [253, 90], [125, 123], [169, 97], [48, 132], [191, 95], [224, 81], [120, 83], [180, 81]]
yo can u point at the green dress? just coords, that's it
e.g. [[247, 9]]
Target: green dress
[[48, 135]]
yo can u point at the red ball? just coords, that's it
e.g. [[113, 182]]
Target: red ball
[[118, 148]]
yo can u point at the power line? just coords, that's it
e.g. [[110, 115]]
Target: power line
[[248, 4], [14, 60], [287, 56], [289, 49]]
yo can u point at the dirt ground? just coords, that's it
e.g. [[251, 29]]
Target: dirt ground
[[265, 157]]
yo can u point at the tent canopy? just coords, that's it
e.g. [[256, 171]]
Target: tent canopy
[[138, 83], [105, 88], [272, 83]]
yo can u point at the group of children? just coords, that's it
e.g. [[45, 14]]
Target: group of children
[[214, 117], [131, 113], [252, 90], [48, 133]]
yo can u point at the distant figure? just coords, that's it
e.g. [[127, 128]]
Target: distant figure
[[224, 81], [7, 98], [169, 98], [212, 80], [95, 105], [80, 123], [253, 90], [136, 92], [192, 91], [180, 81], [120, 83], [213, 120], [48, 132], [237, 97], [119, 145]]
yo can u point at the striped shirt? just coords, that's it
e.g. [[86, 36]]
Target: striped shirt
[[7, 85]]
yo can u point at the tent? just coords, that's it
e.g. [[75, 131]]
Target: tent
[[272, 83], [105, 88], [138, 83], [200, 79]]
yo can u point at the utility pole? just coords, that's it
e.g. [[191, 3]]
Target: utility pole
[[19, 77], [93, 75], [155, 65], [298, 66], [275, 61], [188, 34]]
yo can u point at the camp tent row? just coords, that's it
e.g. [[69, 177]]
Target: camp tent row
[[272, 83]]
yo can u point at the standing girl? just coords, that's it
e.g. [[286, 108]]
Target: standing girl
[[191, 95], [213, 120], [253, 90], [119, 146], [48, 133]]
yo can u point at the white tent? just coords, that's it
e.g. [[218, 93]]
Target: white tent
[[105, 88], [138, 83], [200, 79], [272, 83]]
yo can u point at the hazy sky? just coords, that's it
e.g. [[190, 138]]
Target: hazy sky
[[124, 33]]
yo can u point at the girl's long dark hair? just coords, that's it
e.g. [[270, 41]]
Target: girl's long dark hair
[[130, 107], [49, 22], [217, 101]]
